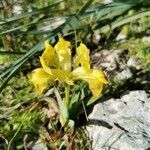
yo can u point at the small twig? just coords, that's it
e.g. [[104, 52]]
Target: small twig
[[85, 111], [75, 34], [25, 142]]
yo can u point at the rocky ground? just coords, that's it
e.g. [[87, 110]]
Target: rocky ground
[[121, 122]]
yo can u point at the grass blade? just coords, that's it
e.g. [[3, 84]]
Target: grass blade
[[10, 53], [30, 14], [123, 21], [64, 116]]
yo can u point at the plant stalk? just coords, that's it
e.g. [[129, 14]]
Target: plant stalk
[[67, 92]]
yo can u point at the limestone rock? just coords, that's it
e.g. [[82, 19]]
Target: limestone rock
[[122, 124], [39, 145], [124, 75]]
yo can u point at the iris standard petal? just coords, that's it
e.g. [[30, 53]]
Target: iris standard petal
[[82, 57], [64, 53], [49, 56], [41, 79]]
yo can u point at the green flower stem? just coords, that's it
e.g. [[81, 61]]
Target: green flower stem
[[67, 92]]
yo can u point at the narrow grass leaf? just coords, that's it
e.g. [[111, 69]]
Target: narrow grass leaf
[[63, 108], [30, 14], [123, 21]]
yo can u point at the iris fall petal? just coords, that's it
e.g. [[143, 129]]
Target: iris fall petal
[[94, 77], [41, 79]]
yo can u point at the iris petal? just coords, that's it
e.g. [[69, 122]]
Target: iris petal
[[95, 87], [82, 57], [64, 53], [49, 56], [45, 66], [61, 75], [41, 79], [94, 77]]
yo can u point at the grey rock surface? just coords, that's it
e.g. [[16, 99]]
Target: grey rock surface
[[133, 62], [117, 64], [39, 145], [124, 75], [121, 124], [146, 39]]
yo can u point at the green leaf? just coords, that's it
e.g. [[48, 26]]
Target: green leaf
[[64, 116], [124, 21], [85, 7], [10, 53], [18, 28], [111, 10], [26, 26], [30, 14]]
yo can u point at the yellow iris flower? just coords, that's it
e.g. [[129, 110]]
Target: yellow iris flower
[[57, 65]]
